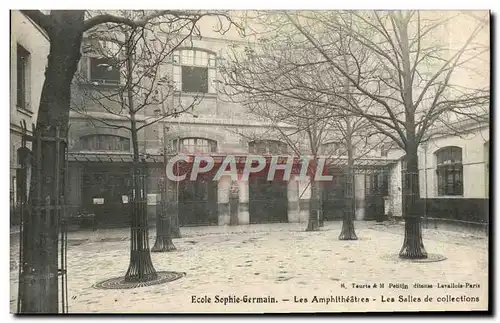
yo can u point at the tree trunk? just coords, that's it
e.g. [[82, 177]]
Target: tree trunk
[[312, 224], [140, 266], [175, 231], [348, 232], [38, 290], [163, 241], [173, 203], [413, 246]]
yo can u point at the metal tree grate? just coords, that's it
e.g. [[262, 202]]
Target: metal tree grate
[[432, 257], [120, 283], [42, 269]]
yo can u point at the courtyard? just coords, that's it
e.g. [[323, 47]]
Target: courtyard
[[296, 271]]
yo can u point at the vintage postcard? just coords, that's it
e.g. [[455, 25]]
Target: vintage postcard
[[260, 161]]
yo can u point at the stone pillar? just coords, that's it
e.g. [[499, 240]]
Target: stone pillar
[[243, 215], [223, 200], [304, 197], [359, 195], [234, 203], [293, 200]]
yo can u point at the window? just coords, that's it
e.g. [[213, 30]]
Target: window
[[384, 149], [22, 77], [109, 48], [331, 149], [104, 71], [377, 183], [272, 147], [105, 142], [195, 145], [195, 79], [194, 71], [449, 171]]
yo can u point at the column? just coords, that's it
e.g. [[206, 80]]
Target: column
[[304, 197], [243, 215], [359, 195], [172, 201], [293, 200], [234, 202], [223, 200]]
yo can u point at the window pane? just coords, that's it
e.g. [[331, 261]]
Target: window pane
[[196, 145], [450, 180], [449, 155], [105, 142], [197, 58], [194, 79], [104, 70], [22, 74], [109, 48], [457, 155], [184, 55], [204, 58], [188, 57]]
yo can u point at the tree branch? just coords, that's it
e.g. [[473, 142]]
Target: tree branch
[[41, 19]]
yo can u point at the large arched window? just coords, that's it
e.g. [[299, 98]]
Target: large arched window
[[194, 71], [195, 145], [105, 143], [449, 171], [272, 147]]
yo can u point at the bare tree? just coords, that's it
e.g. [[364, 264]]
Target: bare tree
[[414, 80], [281, 82], [65, 29], [140, 55], [141, 58]]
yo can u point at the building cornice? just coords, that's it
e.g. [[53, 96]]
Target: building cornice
[[96, 116]]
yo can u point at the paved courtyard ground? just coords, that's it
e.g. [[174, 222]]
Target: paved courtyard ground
[[279, 261]]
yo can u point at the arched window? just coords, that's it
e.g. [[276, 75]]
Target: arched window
[[195, 145], [194, 70], [105, 143], [272, 147], [449, 171]]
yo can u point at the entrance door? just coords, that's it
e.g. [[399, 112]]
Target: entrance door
[[333, 198], [105, 193], [376, 187], [198, 202], [268, 201]]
